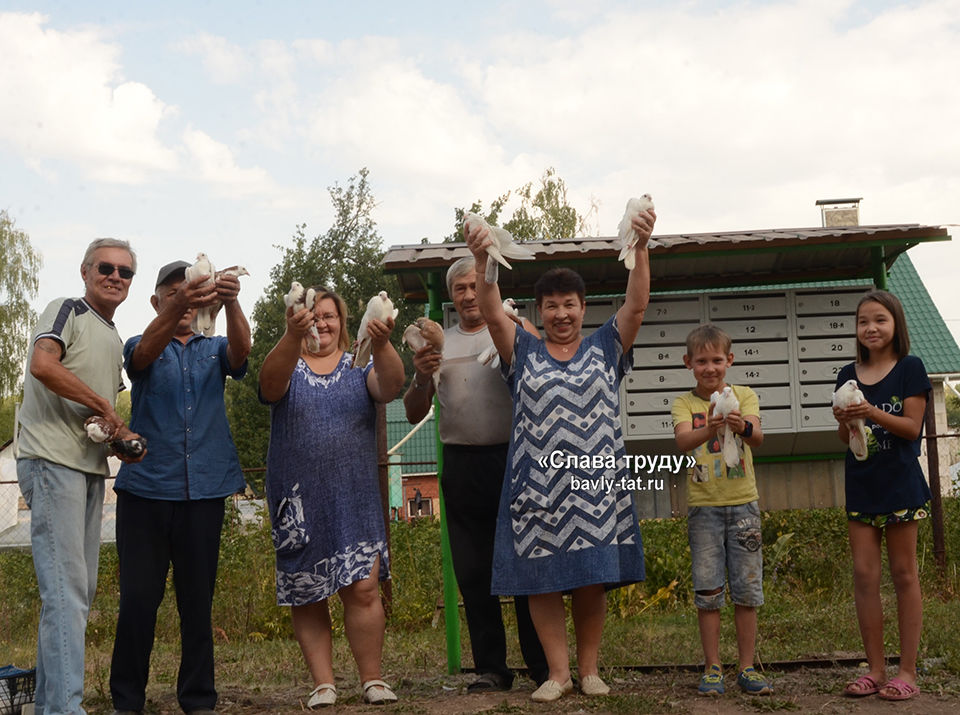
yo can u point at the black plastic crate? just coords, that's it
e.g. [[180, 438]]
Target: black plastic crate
[[16, 689]]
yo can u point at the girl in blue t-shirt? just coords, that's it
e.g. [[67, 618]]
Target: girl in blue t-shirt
[[885, 489]]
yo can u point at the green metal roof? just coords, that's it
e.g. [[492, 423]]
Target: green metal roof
[[686, 261], [930, 338], [422, 447]]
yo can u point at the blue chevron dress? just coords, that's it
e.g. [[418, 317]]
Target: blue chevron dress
[[560, 525]]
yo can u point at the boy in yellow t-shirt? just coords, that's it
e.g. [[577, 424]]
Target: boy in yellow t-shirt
[[723, 521]]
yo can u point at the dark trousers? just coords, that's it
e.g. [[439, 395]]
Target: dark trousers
[[152, 534], [472, 480]]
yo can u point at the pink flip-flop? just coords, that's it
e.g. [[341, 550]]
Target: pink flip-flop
[[864, 685], [903, 690]]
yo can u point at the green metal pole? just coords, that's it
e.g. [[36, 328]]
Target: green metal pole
[[451, 596], [878, 267]]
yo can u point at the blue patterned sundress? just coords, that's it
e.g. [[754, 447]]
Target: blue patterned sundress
[[550, 536], [322, 487]]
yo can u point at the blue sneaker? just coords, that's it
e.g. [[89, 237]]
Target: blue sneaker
[[750, 681], [711, 682]]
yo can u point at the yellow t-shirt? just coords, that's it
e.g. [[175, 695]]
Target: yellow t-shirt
[[710, 482]]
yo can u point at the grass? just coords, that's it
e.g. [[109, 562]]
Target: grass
[[809, 612]]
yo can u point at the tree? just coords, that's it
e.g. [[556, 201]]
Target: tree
[[347, 258], [19, 281], [7, 406], [542, 215]]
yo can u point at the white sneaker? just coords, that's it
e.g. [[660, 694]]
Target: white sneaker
[[323, 695]]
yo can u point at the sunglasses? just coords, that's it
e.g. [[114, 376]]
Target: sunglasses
[[107, 269]]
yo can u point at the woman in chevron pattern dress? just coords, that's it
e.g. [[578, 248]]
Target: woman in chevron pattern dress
[[565, 525]]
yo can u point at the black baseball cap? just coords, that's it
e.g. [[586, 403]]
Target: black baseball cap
[[171, 270]]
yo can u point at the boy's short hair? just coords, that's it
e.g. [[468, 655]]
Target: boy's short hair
[[707, 335]]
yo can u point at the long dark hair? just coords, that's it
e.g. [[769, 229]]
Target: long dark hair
[[901, 337]]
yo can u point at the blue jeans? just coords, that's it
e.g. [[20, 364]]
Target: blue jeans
[[725, 546], [66, 508]]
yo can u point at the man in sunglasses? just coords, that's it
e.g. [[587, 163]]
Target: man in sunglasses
[[170, 506], [73, 372]]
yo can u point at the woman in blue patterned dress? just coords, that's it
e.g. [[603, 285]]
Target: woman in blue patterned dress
[[565, 523], [322, 488]]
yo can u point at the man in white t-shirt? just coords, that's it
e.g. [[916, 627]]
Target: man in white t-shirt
[[474, 423], [73, 373]]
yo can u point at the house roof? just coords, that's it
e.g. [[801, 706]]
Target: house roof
[[687, 261], [930, 338]]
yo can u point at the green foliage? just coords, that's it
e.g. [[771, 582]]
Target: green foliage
[[543, 214], [19, 281], [415, 569], [491, 215], [19, 605], [347, 258], [953, 409], [247, 604], [807, 585], [123, 406], [7, 407], [816, 556]]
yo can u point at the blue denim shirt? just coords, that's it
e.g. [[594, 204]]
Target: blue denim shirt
[[177, 404]]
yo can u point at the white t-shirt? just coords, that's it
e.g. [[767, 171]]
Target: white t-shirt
[[475, 404]]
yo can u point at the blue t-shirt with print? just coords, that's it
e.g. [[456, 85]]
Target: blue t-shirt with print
[[890, 478]]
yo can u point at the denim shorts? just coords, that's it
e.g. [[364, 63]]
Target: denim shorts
[[725, 543]]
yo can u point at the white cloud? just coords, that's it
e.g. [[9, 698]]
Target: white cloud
[[67, 99], [214, 163], [735, 100], [224, 62]]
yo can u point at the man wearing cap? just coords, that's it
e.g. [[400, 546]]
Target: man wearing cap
[[170, 506], [73, 373]]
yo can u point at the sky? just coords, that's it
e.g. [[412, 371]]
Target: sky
[[219, 126]]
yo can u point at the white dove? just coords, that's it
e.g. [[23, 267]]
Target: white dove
[[298, 299], [205, 318], [723, 403], [502, 246], [628, 237], [424, 331], [490, 356], [380, 307], [849, 394], [236, 271]]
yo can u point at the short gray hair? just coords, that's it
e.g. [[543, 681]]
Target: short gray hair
[[462, 267], [109, 243]]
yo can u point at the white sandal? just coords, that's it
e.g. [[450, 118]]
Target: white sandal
[[593, 685], [322, 695], [376, 692], [551, 690]]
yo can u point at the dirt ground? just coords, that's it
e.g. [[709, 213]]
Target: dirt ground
[[805, 690]]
